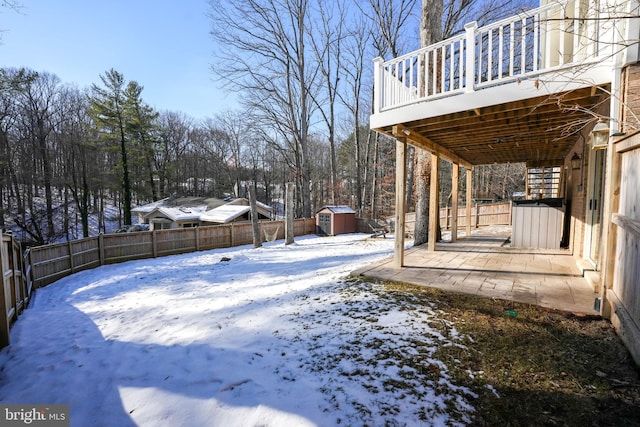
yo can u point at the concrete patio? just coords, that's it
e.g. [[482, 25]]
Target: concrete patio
[[484, 264]]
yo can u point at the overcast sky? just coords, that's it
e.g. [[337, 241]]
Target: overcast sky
[[162, 44]]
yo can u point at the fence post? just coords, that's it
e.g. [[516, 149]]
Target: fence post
[[231, 235], [70, 249], [197, 232], [477, 215], [4, 321], [154, 246], [100, 249]]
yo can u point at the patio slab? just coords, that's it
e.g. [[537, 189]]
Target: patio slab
[[485, 265]]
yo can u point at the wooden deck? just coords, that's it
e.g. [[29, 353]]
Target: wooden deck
[[485, 265]]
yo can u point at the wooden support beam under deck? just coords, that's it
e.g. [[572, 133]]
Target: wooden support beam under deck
[[434, 206], [401, 131], [469, 196], [401, 185], [454, 201]]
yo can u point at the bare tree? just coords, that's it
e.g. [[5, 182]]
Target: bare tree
[[352, 71], [327, 41], [39, 102], [264, 54]]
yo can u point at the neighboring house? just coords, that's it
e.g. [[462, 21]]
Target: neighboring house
[[557, 88], [187, 212]]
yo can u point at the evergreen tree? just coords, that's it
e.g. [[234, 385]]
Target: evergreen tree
[[108, 107]]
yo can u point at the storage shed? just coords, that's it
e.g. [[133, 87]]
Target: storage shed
[[537, 223], [332, 220]]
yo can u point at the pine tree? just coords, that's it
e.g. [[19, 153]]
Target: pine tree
[[108, 109]]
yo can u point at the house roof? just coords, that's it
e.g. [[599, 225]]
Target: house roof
[[224, 213], [178, 214], [181, 202], [339, 209], [200, 209]]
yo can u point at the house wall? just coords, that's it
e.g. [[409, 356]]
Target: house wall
[[577, 181], [630, 97], [575, 185]]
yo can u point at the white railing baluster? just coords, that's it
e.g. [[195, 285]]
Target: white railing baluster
[[523, 48], [563, 29], [576, 32], [426, 73], [451, 62], [500, 51], [460, 62], [536, 34], [419, 75], [547, 42], [490, 56], [434, 74], [443, 62], [511, 48]]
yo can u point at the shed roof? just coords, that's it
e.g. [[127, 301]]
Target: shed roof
[[339, 209]]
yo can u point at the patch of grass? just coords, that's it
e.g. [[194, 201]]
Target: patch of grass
[[530, 366]]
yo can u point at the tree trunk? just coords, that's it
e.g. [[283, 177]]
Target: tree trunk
[[289, 213], [430, 32], [423, 182], [257, 238]]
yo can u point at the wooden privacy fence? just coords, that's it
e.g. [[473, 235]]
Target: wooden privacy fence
[[42, 265], [481, 214], [16, 288], [52, 262]]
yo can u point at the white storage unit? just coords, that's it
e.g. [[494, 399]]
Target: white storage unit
[[537, 223]]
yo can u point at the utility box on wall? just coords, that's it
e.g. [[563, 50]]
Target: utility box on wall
[[332, 220]]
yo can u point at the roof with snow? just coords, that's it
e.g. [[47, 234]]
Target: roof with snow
[[180, 202], [339, 209], [200, 209], [224, 213], [178, 214]]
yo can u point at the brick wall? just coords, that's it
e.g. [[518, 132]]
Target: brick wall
[[630, 97]]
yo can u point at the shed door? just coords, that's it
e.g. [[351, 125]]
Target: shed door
[[324, 223]]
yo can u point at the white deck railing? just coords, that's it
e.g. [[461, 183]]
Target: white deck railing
[[551, 38]]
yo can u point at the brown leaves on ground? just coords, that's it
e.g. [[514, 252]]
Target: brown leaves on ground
[[531, 366]]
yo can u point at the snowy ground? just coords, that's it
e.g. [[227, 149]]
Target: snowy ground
[[275, 336]]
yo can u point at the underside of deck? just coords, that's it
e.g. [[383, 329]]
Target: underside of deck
[[502, 125], [485, 265]]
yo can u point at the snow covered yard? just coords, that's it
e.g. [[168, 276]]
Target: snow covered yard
[[276, 336]]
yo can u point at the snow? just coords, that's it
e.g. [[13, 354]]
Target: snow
[[225, 213], [275, 336]]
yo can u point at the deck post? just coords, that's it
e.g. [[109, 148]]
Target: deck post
[[470, 49], [454, 201], [401, 185], [377, 84], [469, 196], [434, 206]]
